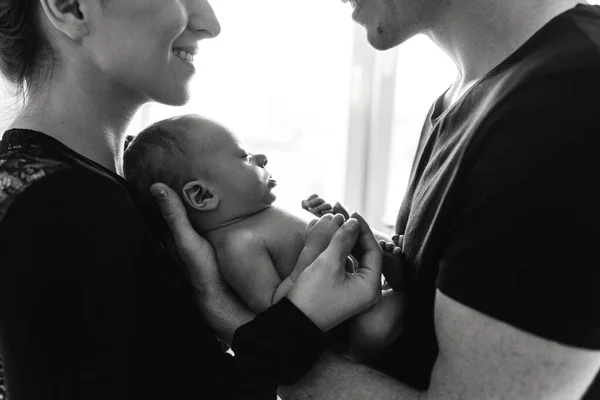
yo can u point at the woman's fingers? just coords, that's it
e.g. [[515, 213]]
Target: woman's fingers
[[328, 294], [194, 251], [370, 252], [340, 209], [172, 209], [342, 241], [322, 290]]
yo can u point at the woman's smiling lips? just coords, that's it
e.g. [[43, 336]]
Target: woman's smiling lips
[[185, 53]]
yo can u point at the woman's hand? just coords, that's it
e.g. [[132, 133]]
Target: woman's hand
[[328, 294], [194, 251], [221, 307]]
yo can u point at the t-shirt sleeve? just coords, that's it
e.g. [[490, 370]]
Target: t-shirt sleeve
[[70, 314], [522, 246]]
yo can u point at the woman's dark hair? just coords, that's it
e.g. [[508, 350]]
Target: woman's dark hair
[[26, 57]]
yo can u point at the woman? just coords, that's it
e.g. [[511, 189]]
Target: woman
[[90, 306]]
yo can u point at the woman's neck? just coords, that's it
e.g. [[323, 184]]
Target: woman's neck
[[84, 114]]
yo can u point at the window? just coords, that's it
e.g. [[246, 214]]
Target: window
[[279, 76]]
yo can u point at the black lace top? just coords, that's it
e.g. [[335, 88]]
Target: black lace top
[[22, 162]]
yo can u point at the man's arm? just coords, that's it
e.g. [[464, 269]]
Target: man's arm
[[479, 358]]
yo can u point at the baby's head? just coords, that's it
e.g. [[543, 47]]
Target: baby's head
[[216, 178]]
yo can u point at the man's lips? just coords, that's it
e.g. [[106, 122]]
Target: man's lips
[[272, 182]]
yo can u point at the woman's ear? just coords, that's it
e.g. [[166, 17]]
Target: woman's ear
[[199, 196], [68, 16]]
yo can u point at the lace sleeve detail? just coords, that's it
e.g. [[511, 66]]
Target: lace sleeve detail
[[20, 167], [22, 163]]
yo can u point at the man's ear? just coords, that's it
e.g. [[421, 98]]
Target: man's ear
[[199, 196], [68, 16]]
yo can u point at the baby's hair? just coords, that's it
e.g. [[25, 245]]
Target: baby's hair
[[155, 155]]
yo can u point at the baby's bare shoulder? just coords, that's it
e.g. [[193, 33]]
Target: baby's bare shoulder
[[242, 239]]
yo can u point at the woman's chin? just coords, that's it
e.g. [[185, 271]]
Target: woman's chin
[[173, 97]]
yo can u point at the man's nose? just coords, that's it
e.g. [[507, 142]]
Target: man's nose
[[260, 159], [203, 20]]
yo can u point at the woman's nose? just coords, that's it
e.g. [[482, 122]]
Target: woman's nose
[[260, 159], [203, 20]]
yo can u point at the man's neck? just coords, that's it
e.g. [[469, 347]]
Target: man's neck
[[479, 35], [86, 115]]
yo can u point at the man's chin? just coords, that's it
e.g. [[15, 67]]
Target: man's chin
[[378, 42]]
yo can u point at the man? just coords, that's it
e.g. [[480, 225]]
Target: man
[[500, 220]]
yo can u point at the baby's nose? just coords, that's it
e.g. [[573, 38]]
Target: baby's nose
[[261, 159]]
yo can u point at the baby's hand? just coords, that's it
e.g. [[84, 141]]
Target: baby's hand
[[392, 262], [317, 206]]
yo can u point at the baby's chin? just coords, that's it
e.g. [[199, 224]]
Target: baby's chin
[[271, 197]]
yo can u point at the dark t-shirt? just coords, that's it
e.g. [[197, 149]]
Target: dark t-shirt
[[502, 212], [92, 308]]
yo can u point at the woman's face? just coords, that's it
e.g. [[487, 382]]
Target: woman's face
[[145, 46]]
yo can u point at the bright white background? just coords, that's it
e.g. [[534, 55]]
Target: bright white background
[[297, 81]]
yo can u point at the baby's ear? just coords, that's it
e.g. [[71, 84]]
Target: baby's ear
[[199, 196]]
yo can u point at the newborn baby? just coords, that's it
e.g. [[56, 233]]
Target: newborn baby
[[228, 194]]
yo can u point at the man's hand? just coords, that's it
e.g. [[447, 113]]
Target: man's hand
[[328, 294], [392, 266]]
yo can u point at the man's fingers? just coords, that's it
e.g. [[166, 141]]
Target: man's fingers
[[398, 240]]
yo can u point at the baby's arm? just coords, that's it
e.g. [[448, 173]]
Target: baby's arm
[[247, 267]]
